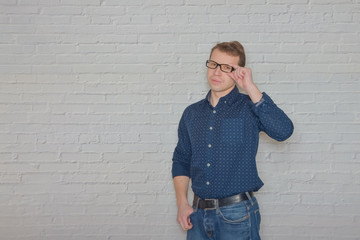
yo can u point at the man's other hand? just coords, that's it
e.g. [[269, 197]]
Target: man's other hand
[[183, 216]]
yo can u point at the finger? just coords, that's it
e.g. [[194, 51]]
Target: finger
[[232, 75], [242, 72], [184, 223], [188, 226], [180, 221], [188, 217], [189, 223], [239, 75], [234, 66]]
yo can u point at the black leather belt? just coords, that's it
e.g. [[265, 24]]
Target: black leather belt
[[211, 203]]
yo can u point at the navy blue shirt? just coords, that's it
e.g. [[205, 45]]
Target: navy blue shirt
[[217, 146]]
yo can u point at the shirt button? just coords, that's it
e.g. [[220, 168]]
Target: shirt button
[[207, 183], [209, 145], [214, 111], [208, 164], [211, 128], [225, 102]]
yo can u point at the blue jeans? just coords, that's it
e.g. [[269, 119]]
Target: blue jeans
[[233, 222]]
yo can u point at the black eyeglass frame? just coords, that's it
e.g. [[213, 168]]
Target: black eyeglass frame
[[217, 64]]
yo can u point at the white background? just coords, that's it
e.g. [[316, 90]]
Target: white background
[[91, 93]]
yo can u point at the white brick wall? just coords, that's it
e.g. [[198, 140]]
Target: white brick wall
[[91, 93]]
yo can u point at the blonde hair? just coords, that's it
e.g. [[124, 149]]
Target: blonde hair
[[233, 48]]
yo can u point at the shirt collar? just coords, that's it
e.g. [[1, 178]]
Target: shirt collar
[[228, 99]]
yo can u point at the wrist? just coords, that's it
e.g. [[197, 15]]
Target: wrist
[[182, 202], [254, 93]]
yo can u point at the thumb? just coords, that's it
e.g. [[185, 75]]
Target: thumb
[[232, 74], [234, 66], [189, 223]]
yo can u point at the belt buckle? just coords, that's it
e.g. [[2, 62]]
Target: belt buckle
[[214, 201]]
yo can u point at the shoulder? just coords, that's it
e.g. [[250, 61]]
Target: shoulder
[[244, 99], [194, 108], [196, 105]]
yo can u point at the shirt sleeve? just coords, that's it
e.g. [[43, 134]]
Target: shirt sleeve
[[182, 153], [272, 120]]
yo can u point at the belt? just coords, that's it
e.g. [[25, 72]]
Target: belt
[[211, 203]]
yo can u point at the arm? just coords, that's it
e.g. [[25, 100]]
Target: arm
[[181, 184], [272, 119], [181, 175], [243, 78]]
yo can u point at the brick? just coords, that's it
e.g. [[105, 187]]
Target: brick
[[92, 93]]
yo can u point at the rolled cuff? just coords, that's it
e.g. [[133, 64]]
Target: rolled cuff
[[266, 104], [180, 170]]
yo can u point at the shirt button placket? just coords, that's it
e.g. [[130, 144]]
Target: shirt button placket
[[208, 164], [210, 147], [211, 128]]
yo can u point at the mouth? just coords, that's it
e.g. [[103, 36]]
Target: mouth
[[215, 81]]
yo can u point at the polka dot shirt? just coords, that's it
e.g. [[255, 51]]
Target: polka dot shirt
[[217, 146]]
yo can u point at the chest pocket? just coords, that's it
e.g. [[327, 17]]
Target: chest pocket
[[232, 131]]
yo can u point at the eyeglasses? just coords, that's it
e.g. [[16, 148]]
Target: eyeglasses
[[223, 67]]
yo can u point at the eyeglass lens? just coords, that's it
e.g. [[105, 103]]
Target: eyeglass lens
[[223, 67]]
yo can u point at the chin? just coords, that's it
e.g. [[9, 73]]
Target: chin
[[222, 90]]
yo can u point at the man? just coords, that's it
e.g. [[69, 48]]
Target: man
[[217, 146]]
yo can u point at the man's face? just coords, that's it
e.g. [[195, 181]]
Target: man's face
[[219, 81]]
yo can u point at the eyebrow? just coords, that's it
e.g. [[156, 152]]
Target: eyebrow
[[219, 63]]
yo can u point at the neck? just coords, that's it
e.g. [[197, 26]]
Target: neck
[[215, 96]]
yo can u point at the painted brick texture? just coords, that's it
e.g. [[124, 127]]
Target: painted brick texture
[[91, 93]]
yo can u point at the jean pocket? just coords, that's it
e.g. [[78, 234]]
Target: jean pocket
[[257, 218], [235, 214]]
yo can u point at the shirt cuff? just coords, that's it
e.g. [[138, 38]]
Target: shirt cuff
[[179, 170], [265, 105], [260, 102]]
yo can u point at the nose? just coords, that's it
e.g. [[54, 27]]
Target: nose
[[217, 70]]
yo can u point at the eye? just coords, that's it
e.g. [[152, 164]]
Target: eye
[[212, 64], [227, 68]]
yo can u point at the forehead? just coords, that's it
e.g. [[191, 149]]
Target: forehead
[[223, 57]]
